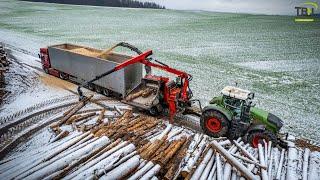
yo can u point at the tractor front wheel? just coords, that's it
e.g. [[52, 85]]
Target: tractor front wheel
[[214, 123], [256, 137]]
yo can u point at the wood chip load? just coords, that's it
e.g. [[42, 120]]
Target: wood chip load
[[86, 52]]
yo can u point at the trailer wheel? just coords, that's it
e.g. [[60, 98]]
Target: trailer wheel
[[214, 123], [91, 87], [107, 92], [99, 90], [154, 111], [63, 76], [256, 137], [46, 70]]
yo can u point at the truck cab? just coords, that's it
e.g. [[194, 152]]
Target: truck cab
[[45, 60]]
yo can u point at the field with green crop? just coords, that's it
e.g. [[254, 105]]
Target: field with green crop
[[273, 56]]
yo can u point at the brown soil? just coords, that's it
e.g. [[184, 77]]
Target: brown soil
[[306, 144], [56, 82]]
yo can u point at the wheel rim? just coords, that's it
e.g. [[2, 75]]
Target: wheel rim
[[257, 139], [153, 111], [98, 89], [91, 87], [106, 92], [214, 125]]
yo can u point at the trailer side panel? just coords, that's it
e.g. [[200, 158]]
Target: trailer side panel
[[87, 67]]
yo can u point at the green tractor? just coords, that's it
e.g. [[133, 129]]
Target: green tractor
[[233, 115]]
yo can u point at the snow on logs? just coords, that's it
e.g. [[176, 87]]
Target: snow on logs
[[136, 146]]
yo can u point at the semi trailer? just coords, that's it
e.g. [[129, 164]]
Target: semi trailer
[[80, 63]]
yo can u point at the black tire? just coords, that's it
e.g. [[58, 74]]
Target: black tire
[[107, 92], [99, 90], [236, 129], [256, 137], [210, 119], [63, 76], [154, 111], [46, 70], [91, 87]]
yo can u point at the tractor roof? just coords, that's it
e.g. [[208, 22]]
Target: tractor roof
[[235, 92]]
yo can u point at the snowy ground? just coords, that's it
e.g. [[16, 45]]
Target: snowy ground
[[28, 84]]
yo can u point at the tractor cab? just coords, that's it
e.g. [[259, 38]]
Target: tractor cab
[[233, 115], [238, 101]]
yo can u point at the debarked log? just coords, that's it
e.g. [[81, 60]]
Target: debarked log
[[232, 160]]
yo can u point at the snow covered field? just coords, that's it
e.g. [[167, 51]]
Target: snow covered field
[[28, 84], [270, 55]]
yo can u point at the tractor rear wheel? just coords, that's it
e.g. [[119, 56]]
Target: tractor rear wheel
[[214, 123], [256, 137]]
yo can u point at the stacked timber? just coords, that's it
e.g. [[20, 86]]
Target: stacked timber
[[3, 57], [4, 63], [106, 144], [144, 92]]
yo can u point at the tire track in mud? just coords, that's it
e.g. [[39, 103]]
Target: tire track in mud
[[8, 132]]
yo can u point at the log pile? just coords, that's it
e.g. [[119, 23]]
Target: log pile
[[4, 63], [144, 92], [3, 57], [137, 146]]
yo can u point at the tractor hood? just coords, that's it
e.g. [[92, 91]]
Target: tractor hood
[[266, 118]]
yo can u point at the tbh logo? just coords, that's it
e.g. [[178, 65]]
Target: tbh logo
[[306, 14]]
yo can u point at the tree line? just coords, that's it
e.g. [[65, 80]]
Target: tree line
[[111, 3]]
